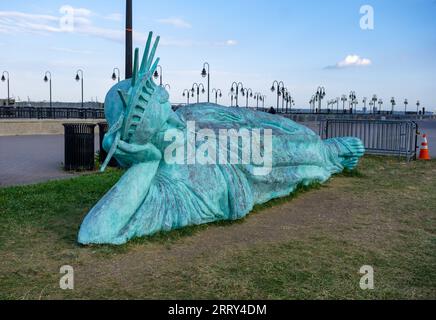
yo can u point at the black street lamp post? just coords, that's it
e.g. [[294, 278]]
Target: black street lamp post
[[279, 86], [406, 102], [364, 101], [116, 75], [352, 100], [47, 78], [393, 103], [198, 86], [343, 99], [380, 105], [312, 104], [319, 96], [6, 79], [80, 78], [187, 93], [248, 93], [374, 102], [231, 98], [235, 90], [257, 97], [418, 103], [205, 73], [157, 74], [218, 93], [289, 102]]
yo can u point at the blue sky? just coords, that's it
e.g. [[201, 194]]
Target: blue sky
[[303, 43]]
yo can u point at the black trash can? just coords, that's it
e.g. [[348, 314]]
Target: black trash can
[[79, 146], [103, 128]]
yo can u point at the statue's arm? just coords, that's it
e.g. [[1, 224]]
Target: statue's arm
[[131, 154]]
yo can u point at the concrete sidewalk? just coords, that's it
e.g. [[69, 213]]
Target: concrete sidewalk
[[32, 159]]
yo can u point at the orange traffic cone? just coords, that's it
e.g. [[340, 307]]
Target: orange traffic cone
[[424, 154]]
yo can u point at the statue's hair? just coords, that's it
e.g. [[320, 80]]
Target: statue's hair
[[135, 100]]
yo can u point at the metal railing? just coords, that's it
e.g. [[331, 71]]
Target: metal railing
[[380, 137], [50, 113]]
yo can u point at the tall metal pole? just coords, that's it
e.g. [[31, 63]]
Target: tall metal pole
[[129, 40], [82, 90]]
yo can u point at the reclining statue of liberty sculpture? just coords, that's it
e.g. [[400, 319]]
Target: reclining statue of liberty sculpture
[[201, 163]]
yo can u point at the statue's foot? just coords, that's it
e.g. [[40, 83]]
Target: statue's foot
[[349, 150]]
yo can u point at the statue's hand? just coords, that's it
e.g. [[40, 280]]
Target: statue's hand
[[130, 154]]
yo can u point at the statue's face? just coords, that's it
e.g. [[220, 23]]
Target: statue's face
[[156, 113]]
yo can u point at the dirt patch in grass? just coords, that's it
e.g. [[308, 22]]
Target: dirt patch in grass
[[308, 246]]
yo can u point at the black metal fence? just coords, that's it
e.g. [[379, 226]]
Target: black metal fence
[[382, 137], [50, 113], [79, 146]]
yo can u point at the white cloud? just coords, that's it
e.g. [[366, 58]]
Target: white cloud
[[14, 22], [231, 43], [352, 60], [176, 22], [77, 12], [69, 50]]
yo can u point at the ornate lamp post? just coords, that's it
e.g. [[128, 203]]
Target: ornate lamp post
[[364, 101], [371, 105], [158, 74], [290, 101], [6, 79], [279, 86], [235, 90], [80, 78], [198, 86], [218, 93], [406, 102], [319, 96], [352, 100], [116, 74], [248, 93], [417, 107], [47, 78], [393, 103], [343, 99], [187, 93], [205, 73], [380, 104], [257, 97], [312, 104], [374, 102], [231, 98]]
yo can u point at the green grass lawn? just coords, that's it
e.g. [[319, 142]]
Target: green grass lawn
[[310, 245]]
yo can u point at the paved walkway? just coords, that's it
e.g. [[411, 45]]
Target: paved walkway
[[32, 159]]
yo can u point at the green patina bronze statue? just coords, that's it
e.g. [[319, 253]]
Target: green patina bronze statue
[[201, 163]]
